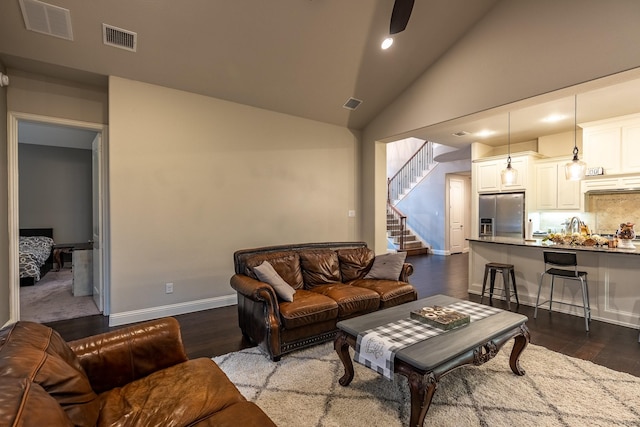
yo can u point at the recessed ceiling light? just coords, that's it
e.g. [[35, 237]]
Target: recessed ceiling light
[[485, 133], [386, 44], [552, 118]]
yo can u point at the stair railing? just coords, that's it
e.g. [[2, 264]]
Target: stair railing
[[421, 160], [401, 220]]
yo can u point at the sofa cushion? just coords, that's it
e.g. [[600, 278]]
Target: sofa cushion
[[286, 264], [39, 354], [307, 308], [391, 292], [169, 398], [25, 403], [319, 267], [354, 263], [351, 300], [266, 273], [387, 266], [245, 414]]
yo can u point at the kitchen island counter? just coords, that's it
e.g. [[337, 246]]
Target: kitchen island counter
[[549, 245], [614, 292]]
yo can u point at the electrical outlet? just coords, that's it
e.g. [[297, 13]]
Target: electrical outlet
[[351, 214], [168, 288]]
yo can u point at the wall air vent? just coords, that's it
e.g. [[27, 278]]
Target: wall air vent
[[352, 104], [47, 19], [117, 37]]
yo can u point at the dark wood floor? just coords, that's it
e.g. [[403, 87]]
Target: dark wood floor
[[213, 332]]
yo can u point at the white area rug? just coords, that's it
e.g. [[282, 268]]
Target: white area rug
[[302, 390], [51, 299]]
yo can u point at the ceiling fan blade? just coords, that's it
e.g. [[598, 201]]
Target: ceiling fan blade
[[400, 15]]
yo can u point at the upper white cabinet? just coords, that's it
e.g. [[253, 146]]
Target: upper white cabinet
[[486, 174], [613, 144], [554, 191]]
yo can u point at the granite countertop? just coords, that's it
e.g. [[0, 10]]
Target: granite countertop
[[550, 245]]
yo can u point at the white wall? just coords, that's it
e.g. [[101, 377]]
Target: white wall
[[4, 219], [425, 204], [193, 179], [519, 50], [55, 191]]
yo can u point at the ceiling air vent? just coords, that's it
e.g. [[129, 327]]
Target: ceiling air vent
[[47, 19], [461, 133], [117, 37], [352, 104]]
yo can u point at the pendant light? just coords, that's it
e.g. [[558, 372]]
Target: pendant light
[[575, 169], [509, 176]]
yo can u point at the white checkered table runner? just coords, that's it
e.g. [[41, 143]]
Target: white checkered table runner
[[376, 347]]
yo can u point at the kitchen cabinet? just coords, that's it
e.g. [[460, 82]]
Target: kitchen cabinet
[[486, 174], [612, 144], [630, 147], [554, 191]]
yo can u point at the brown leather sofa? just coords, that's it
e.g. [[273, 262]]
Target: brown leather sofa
[[135, 376], [330, 286]]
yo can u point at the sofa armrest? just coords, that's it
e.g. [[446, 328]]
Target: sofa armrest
[[407, 270], [257, 291], [116, 358]]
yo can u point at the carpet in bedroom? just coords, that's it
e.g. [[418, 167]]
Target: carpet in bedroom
[[302, 390], [51, 299]]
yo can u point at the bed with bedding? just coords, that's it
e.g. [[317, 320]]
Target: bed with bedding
[[35, 254]]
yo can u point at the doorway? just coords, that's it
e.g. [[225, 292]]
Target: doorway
[[458, 188], [54, 136]]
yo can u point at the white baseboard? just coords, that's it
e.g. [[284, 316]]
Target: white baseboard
[[440, 252], [124, 318]]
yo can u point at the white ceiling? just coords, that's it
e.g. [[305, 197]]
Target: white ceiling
[[54, 135], [298, 57], [608, 97]]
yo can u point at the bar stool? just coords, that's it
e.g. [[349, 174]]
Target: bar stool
[[564, 259], [506, 270]]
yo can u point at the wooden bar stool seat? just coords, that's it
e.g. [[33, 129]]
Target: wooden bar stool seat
[[508, 272]]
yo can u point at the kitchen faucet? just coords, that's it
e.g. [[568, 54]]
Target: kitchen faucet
[[573, 226]]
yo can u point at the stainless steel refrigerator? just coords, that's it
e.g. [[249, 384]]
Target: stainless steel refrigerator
[[505, 213]]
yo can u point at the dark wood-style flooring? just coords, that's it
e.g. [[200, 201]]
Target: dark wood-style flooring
[[214, 332]]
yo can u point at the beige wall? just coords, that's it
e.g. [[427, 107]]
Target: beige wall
[[193, 178], [4, 234], [48, 96], [521, 49]]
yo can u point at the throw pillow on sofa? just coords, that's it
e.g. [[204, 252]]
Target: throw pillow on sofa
[[387, 266], [285, 263], [266, 273]]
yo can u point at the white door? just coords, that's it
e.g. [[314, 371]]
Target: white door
[[96, 169], [456, 215]]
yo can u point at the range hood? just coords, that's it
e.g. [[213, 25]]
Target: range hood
[[611, 184], [613, 190]]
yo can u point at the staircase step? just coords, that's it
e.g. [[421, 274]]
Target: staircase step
[[413, 245], [418, 251], [407, 238]]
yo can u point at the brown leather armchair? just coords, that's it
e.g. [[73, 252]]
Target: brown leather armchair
[[135, 376]]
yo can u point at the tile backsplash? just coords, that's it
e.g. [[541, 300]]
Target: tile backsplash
[[608, 210]]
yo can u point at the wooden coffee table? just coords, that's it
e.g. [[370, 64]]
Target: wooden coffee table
[[425, 362]]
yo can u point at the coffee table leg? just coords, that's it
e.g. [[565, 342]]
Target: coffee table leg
[[521, 342], [422, 388], [341, 346]]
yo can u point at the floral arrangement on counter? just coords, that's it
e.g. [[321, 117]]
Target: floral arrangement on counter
[[577, 239]]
